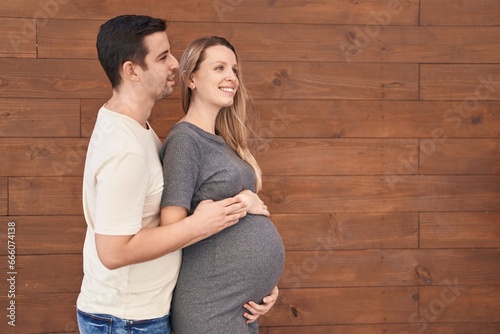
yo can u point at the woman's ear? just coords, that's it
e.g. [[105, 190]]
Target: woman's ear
[[190, 81]]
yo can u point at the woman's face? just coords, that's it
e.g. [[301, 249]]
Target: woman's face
[[215, 82]]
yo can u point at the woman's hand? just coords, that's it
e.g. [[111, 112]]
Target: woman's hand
[[254, 205], [257, 310]]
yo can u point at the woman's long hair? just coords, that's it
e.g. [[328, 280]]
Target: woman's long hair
[[231, 122]]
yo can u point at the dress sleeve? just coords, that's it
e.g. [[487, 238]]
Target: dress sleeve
[[120, 195], [181, 158]]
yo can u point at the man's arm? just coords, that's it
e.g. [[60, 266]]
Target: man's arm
[[150, 243]]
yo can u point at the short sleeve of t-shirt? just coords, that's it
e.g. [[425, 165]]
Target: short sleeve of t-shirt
[[181, 159], [121, 192]]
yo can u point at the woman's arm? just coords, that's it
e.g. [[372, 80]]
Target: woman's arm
[[257, 310], [253, 203]]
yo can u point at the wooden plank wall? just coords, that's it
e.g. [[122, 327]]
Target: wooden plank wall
[[380, 144]]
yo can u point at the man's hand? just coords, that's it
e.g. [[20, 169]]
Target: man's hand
[[257, 310], [213, 217]]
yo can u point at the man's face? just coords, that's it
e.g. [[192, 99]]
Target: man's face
[[159, 77]]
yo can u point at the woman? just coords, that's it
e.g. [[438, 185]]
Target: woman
[[206, 156]]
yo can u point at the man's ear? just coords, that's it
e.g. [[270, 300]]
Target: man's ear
[[129, 71]]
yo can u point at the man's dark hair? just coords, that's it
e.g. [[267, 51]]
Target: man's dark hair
[[121, 39]]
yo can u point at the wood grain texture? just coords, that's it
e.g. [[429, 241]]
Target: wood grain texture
[[45, 196], [328, 306], [39, 118], [50, 78], [43, 157], [17, 38], [332, 156], [459, 303], [347, 268], [460, 230], [460, 156], [307, 80], [374, 41], [402, 12], [392, 192], [374, 119], [46, 235], [47, 274], [459, 13], [470, 85], [43, 313], [4, 184], [324, 232], [443, 328]]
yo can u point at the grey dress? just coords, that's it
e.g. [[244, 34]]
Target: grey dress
[[241, 263]]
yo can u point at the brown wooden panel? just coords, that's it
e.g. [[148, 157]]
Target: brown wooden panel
[[455, 230], [320, 232], [332, 156], [300, 42], [335, 268], [165, 114], [17, 39], [310, 118], [459, 13], [334, 306], [460, 156], [51, 313], [307, 80], [4, 184], [40, 11], [43, 157], [412, 44], [399, 12], [392, 192], [407, 328], [39, 118], [52, 78], [343, 268], [458, 303], [469, 84], [45, 196], [57, 39], [462, 266], [46, 274], [46, 234], [380, 119]]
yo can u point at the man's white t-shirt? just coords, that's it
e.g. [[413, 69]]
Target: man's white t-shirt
[[122, 187]]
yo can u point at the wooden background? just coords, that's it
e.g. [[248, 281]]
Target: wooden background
[[380, 125]]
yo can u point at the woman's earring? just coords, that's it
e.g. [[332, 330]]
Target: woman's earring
[[192, 86]]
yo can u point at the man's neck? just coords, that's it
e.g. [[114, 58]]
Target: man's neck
[[130, 104]]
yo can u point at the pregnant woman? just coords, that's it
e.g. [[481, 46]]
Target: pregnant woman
[[206, 156]]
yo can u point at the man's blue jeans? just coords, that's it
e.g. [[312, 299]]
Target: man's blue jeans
[[90, 323]]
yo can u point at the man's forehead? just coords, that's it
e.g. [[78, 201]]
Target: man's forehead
[[157, 43]]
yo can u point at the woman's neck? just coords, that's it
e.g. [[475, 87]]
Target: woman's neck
[[202, 118]]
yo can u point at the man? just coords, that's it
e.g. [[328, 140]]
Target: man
[[131, 263]]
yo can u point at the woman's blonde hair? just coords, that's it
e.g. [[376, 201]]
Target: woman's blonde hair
[[232, 122]]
